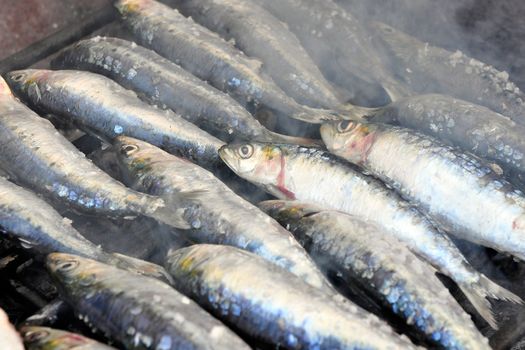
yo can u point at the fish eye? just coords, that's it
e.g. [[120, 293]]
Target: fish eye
[[67, 265], [245, 151], [345, 126], [19, 77], [128, 150], [35, 336]]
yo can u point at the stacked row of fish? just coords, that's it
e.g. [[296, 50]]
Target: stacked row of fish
[[373, 203]]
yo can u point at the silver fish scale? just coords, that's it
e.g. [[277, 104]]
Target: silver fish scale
[[271, 304], [325, 180], [37, 155], [164, 83], [219, 215], [140, 312], [384, 265], [441, 182]]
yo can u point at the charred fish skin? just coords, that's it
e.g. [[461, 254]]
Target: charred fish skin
[[207, 56], [139, 312], [37, 225], [35, 154], [429, 69], [312, 175], [164, 83], [359, 250], [97, 103], [337, 42], [218, 215], [259, 34], [45, 338], [269, 303], [473, 128], [496, 211]]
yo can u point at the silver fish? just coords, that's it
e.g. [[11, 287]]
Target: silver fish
[[36, 155], [471, 127], [217, 214], [139, 312], [271, 304], [337, 42], [36, 224], [312, 175], [259, 34], [164, 83], [9, 339], [97, 103], [210, 58], [361, 251], [44, 338], [429, 69], [457, 190]]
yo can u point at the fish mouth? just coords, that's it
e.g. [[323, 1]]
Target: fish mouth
[[327, 134], [227, 156]]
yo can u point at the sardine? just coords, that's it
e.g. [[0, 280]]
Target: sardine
[[96, 103], [36, 224], [217, 214], [429, 69], [44, 338], [139, 312], [36, 155], [167, 85], [473, 128], [362, 252], [336, 41], [9, 337], [439, 180], [269, 303], [312, 175], [207, 56], [259, 34]]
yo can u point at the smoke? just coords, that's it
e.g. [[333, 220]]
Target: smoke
[[490, 31]]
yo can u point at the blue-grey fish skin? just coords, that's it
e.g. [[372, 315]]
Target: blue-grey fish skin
[[163, 83], [45, 338], [29, 219], [316, 176], [210, 58], [139, 312], [36, 155], [361, 251], [473, 128], [429, 69], [217, 214], [269, 303], [98, 104], [259, 34], [337, 42]]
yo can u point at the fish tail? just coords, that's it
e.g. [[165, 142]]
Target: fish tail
[[142, 267], [478, 292], [352, 112], [316, 115], [174, 208], [395, 90], [303, 141]]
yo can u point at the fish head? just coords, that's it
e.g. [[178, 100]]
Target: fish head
[[286, 212], [126, 7], [25, 82], [256, 162], [350, 140], [73, 272], [44, 338], [134, 156]]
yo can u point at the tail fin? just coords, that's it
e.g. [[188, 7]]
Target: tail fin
[[142, 267], [479, 291], [303, 141], [352, 112], [395, 90], [175, 205], [316, 115]]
